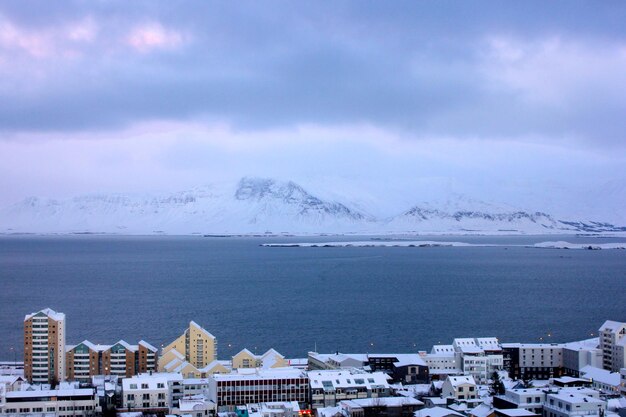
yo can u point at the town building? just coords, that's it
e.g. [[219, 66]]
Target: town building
[[459, 388], [272, 409], [606, 382], [374, 407], [86, 360], [566, 404], [533, 360], [151, 393], [613, 343], [198, 346], [247, 386], [329, 387], [44, 347], [195, 347], [478, 357], [531, 399], [441, 362], [178, 364], [59, 403], [270, 359], [406, 368], [577, 355]]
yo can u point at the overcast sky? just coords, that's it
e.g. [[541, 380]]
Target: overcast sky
[[492, 97]]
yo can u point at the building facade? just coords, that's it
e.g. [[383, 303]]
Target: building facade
[[613, 343], [86, 360], [44, 347], [59, 403], [248, 386], [195, 346]]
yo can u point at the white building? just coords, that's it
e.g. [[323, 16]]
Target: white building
[[604, 381], [151, 392], [460, 388], [572, 405], [194, 406], [328, 387], [478, 357], [531, 399], [577, 355], [59, 403], [613, 343], [247, 386], [442, 361], [273, 409]]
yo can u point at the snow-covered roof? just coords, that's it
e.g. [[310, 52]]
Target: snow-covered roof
[[403, 359], [148, 345], [436, 412], [586, 344], [151, 379], [447, 350], [488, 343], [568, 380], [51, 393], [201, 329], [255, 373], [575, 398], [613, 326], [48, 312], [384, 402], [481, 410], [516, 412], [347, 378], [461, 379], [601, 375]]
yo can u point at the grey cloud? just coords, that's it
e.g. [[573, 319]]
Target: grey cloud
[[409, 66]]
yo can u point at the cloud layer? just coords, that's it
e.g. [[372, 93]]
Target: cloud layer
[[346, 87]]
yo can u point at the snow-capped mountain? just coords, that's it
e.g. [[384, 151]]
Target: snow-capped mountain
[[260, 205]]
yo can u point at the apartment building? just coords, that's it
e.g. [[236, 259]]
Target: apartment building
[[329, 387], [406, 368], [44, 347], [86, 360], [247, 386], [195, 346], [477, 357], [533, 360], [270, 359], [613, 344], [152, 393], [59, 403], [573, 405], [577, 355], [531, 399]]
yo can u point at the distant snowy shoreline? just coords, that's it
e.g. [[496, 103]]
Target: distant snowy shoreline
[[432, 244]]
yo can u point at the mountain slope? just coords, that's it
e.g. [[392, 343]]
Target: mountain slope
[[259, 205]]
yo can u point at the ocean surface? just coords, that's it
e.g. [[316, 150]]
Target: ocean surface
[[354, 299]]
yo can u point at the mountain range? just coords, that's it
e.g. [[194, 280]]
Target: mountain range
[[262, 205]]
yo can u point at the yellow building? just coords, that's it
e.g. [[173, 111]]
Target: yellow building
[[270, 359], [193, 354]]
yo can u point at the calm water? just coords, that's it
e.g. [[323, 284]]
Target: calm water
[[293, 299]]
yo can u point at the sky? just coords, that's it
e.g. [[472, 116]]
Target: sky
[[523, 102]]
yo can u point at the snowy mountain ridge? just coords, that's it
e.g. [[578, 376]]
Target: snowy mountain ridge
[[260, 205]]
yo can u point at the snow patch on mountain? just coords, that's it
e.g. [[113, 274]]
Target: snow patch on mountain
[[259, 205]]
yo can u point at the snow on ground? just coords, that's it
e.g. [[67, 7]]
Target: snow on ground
[[591, 246]]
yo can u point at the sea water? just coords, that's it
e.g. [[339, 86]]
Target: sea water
[[354, 299]]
